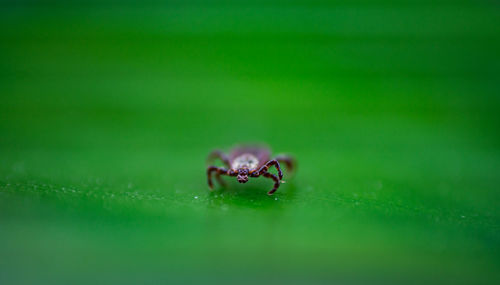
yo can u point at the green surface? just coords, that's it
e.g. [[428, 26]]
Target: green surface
[[108, 111]]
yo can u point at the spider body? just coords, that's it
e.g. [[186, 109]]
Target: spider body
[[245, 162]]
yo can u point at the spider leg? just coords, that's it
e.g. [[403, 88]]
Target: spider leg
[[270, 163], [219, 171], [220, 155], [289, 161], [255, 173], [276, 182]]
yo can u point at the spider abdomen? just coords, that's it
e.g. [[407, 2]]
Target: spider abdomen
[[246, 160]]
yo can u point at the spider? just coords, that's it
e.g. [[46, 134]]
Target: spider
[[248, 161]]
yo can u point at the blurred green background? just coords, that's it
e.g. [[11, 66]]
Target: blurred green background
[[109, 108]]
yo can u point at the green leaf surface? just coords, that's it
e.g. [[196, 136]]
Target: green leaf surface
[[109, 109]]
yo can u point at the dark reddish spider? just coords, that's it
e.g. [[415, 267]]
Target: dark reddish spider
[[244, 162]]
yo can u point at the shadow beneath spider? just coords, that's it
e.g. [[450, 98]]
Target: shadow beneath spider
[[252, 195]]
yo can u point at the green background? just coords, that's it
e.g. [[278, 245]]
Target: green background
[[109, 108]]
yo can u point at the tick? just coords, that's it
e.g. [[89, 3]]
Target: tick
[[247, 161]]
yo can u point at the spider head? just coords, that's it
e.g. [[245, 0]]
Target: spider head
[[242, 175]]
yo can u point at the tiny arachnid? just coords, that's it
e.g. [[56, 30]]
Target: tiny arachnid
[[248, 161]]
